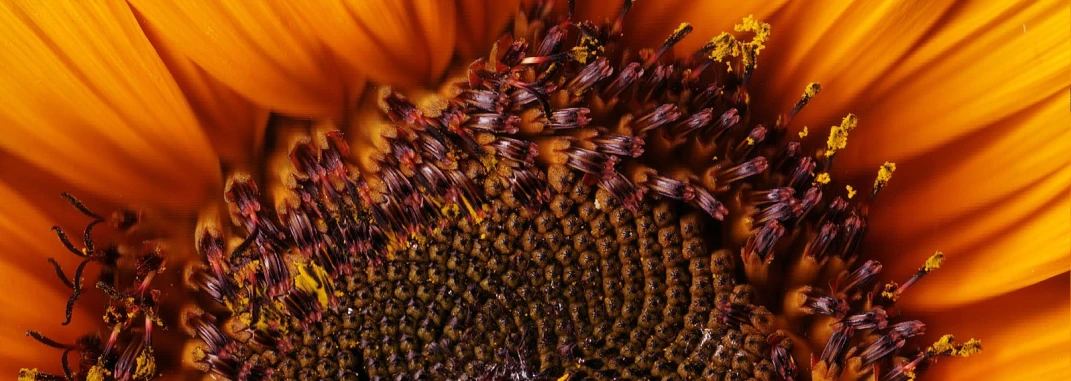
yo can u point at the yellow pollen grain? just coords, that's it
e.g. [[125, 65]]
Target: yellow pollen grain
[[97, 373], [890, 291], [812, 90], [146, 365], [947, 346], [822, 178], [26, 374], [308, 282], [838, 135], [851, 191], [680, 28], [973, 346], [581, 54], [750, 141], [724, 44], [910, 373], [804, 133], [885, 173], [934, 262]]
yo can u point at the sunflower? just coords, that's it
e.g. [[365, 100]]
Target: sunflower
[[394, 173]]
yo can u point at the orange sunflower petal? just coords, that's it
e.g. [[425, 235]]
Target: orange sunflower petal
[[1024, 335], [234, 125], [258, 48], [975, 64], [87, 98], [480, 22], [996, 204], [402, 43]]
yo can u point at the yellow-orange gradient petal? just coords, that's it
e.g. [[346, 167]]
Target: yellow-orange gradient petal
[[978, 63], [86, 97], [995, 202], [258, 48], [1025, 335], [234, 125], [34, 298], [400, 43], [479, 23]]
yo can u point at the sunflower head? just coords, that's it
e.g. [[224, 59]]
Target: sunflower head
[[568, 207]]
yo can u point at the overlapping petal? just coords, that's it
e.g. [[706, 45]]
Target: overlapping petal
[[86, 98], [258, 48], [401, 43], [480, 22], [1028, 341], [996, 202], [234, 125], [975, 64]]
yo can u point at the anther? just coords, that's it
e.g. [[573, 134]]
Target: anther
[[885, 173], [624, 79], [876, 318], [682, 31], [809, 93], [933, 263], [696, 122], [618, 145], [748, 168], [836, 345], [569, 118], [771, 195], [591, 162], [589, 76], [818, 248], [862, 276], [516, 150], [657, 117], [761, 244], [706, 201]]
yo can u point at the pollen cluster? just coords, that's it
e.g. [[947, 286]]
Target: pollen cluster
[[571, 209]]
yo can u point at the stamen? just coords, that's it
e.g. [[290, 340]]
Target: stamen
[[619, 145], [624, 79], [761, 244], [552, 41], [569, 118], [818, 248], [623, 190], [589, 76], [860, 277], [933, 263], [682, 31], [838, 135], [705, 201], [591, 162], [876, 318], [809, 93], [516, 150], [771, 195], [695, 122], [486, 100], [657, 117], [748, 168], [497, 123], [838, 342], [884, 175]]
